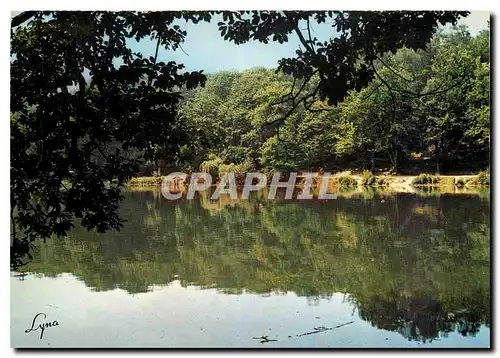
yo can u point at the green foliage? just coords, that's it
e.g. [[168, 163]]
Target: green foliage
[[238, 169], [217, 168], [281, 156], [425, 179], [482, 179], [211, 165], [375, 124], [459, 117], [146, 181], [66, 128], [96, 133], [329, 58], [381, 181], [156, 175], [367, 178], [347, 181], [460, 182]]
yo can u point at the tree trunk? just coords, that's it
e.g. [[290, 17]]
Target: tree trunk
[[393, 157], [439, 158], [372, 168], [158, 169]]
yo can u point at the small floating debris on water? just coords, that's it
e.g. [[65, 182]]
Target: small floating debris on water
[[317, 317], [175, 276], [323, 329], [265, 339], [382, 201], [51, 305]]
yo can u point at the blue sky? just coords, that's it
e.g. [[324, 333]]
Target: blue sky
[[207, 50]]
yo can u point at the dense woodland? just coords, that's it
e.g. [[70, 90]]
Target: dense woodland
[[88, 113], [390, 93], [433, 116]]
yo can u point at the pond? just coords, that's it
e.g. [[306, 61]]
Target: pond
[[368, 269]]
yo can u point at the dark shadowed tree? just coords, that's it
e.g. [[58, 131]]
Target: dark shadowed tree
[[62, 124]]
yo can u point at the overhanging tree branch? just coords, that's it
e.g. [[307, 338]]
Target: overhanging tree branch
[[291, 96], [438, 90], [394, 71], [434, 92], [299, 33], [22, 17], [373, 91], [309, 33], [389, 88]]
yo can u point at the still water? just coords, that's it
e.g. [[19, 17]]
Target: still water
[[365, 270]]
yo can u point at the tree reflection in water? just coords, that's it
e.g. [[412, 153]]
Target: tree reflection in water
[[416, 265]]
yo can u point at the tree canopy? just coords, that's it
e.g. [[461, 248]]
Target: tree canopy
[[432, 103]]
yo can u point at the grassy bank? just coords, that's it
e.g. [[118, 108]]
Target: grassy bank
[[366, 179], [146, 181]]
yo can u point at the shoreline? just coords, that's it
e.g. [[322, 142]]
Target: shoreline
[[394, 183]]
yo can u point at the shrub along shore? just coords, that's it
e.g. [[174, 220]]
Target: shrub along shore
[[366, 178]]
